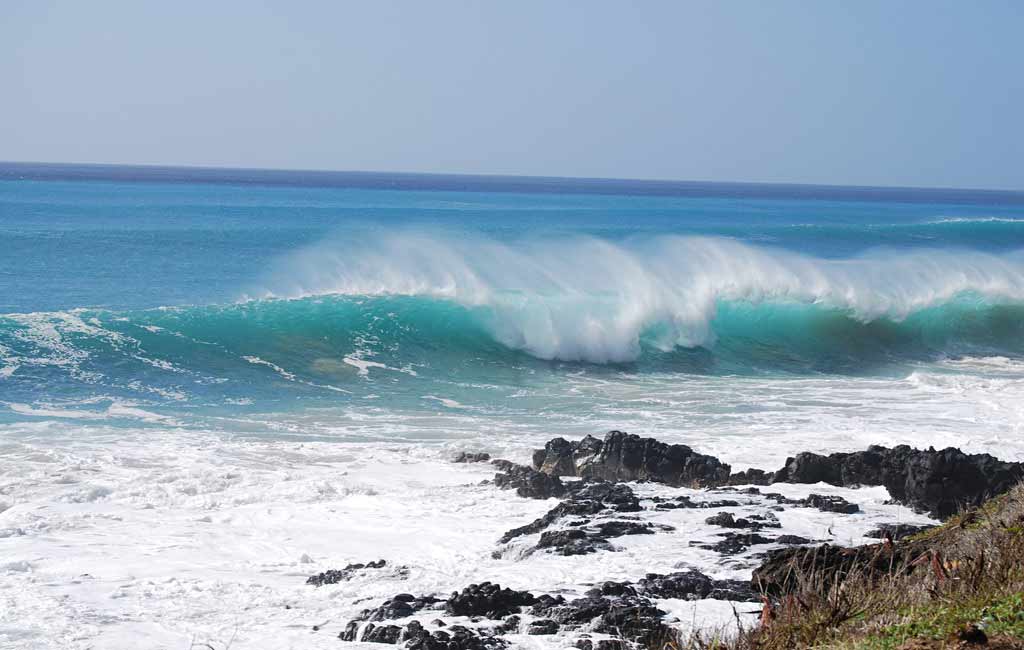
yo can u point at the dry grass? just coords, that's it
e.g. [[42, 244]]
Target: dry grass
[[933, 591]]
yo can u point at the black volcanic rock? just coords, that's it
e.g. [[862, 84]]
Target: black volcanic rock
[[381, 634], [398, 606], [791, 540], [487, 599], [831, 504], [732, 543], [898, 531], [937, 482], [751, 477], [528, 482], [586, 500], [563, 509], [694, 585], [572, 542], [616, 496], [334, 576], [471, 457], [630, 617], [625, 457], [457, 637], [753, 523]]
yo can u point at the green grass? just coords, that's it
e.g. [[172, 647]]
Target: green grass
[[1001, 616], [969, 571]]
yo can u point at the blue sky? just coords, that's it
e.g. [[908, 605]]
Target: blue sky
[[881, 93]]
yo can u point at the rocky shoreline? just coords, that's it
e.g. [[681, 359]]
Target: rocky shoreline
[[597, 505]]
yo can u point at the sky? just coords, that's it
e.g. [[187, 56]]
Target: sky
[[913, 93]]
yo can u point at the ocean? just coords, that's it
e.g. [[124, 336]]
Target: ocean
[[216, 382]]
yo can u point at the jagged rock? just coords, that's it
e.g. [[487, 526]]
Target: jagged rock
[[611, 588], [559, 456], [780, 499], [471, 457], [937, 482], [563, 509], [735, 543], [528, 482], [625, 457], [487, 599], [636, 620], [334, 576], [751, 477], [694, 585], [457, 637], [586, 500], [351, 631], [754, 523], [592, 537], [791, 540], [898, 531], [381, 634], [686, 502], [572, 542], [616, 528], [510, 625], [572, 613], [616, 496], [831, 504], [398, 606]]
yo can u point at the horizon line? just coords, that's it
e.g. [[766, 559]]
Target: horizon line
[[663, 182]]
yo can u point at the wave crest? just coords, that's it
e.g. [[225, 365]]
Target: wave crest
[[589, 299]]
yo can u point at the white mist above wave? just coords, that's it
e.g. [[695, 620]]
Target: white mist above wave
[[587, 299]]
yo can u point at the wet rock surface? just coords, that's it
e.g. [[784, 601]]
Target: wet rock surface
[[694, 585], [734, 543], [898, 531], [471, 457], [334, 576], [626, 457], [752, 522], [593, 514], [937, 482], [622, 609], [456, 637], [596, 507], [398, 606], [590, 538], [831, 504], [527, 482], [487, 599]]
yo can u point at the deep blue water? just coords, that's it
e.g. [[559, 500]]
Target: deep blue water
[[224, 289]]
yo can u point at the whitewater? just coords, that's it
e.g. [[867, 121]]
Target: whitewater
[[211, 390]]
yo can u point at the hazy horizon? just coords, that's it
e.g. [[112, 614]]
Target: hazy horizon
[[401, 172]]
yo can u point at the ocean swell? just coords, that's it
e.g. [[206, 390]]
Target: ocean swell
[[592, 300]]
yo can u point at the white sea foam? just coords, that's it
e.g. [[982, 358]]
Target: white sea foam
[[590, 299], [981, 219], [190, 537]]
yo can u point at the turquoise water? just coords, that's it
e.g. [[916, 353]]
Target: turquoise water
[[201, 296]]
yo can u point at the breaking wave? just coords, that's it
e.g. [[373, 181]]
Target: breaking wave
[[413, 307]]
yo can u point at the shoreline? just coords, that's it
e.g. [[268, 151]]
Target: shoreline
[[614, 615]]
